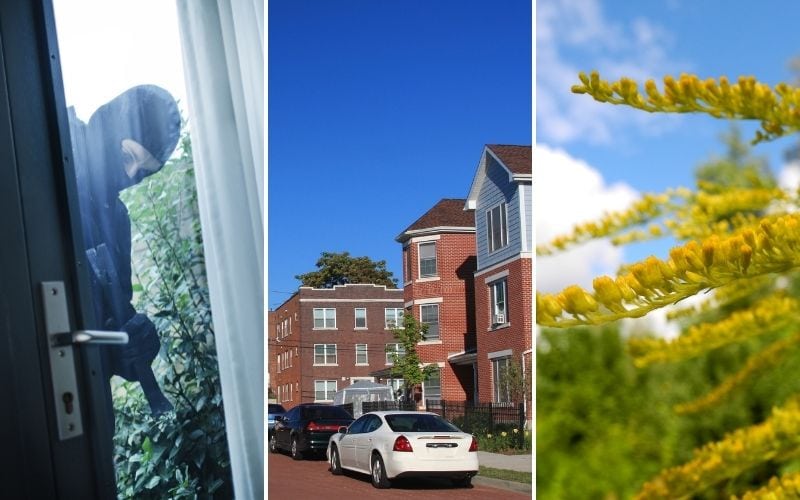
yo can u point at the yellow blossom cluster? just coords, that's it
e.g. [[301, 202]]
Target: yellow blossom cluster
[[647, 208], [776, 108], [771, 246], [729, 457], [786, 487], [768, 358], [767, 315]]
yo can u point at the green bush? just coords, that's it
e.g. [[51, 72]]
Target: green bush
[[181, 454], [506, 439]]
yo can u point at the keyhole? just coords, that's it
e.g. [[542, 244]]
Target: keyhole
[[67, 398]]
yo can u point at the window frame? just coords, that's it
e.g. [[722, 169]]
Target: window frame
[[496, 376], [420, 260], [398, 318], [493, 302], [492, 245], [325, 354], [425, 385], [427, 336], [325, 318], [399, 349], [356, 318], [325, 391], [365, 353]]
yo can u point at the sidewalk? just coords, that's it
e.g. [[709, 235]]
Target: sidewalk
[[520, 463]]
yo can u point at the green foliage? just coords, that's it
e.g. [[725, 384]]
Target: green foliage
[[737, 168], [340, 268], [182, 454], [407, 365], [505, 438]]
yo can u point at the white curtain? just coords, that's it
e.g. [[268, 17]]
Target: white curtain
[[223, 54]]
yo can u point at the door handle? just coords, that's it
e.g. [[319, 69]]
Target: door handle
[[61, 340], [90, 337]]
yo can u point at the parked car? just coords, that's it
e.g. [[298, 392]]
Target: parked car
[[307, 428], [273, 410], [396, 444]]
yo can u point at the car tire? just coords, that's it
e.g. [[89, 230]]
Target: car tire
[[378, 472], [336, 465], [463, 482], [294, 449], [273, 444]]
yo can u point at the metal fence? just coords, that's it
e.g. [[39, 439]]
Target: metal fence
[[481, 418]]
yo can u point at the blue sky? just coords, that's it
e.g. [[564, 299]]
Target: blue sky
[[618, 153], [376, 111]]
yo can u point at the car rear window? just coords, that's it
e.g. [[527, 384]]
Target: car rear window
[[273, 408], [318, 412], [423, 422]]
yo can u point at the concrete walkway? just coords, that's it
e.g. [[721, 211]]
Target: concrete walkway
[[521, 463]]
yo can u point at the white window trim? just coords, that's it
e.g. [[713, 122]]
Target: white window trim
[[430, 300], [428, 279], [419, 260], [495, 277], [366, 354], [365, 327], [438, 318], [314, 320], [387, 353], [423, 239], [335, 388], [431, 342], [507, 322], [504, 208], [325, 355], [398, 319]]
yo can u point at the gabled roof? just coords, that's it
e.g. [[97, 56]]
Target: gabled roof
[[448, 215], [516, 160]]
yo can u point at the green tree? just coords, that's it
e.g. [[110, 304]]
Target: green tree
[[741, 242], [340, 268], [406, 364]]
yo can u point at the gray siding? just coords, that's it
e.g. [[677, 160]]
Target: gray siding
[[497, 189], [527, 196]]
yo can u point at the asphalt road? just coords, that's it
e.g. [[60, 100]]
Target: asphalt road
[[310, 478]]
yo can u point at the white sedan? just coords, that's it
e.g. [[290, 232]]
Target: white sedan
[[396, 444]]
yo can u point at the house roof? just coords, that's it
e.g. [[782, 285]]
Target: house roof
[[447, 215], [516, 158]]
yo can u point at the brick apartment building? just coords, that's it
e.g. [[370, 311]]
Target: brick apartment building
[[501, 199], [324, 339], [467, 267], [438, 266]]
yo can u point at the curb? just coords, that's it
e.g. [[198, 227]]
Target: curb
[[503, 484]]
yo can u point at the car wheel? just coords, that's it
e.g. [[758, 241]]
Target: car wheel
[[463, 482], [378, 473], [296, 453], [336, 466], [273, 444]]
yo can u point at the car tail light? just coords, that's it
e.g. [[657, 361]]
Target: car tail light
[[314, 427], [474, 445], [402, 444]]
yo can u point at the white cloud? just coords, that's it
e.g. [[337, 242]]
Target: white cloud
[[570, 191], [573, 36], [789, 176]]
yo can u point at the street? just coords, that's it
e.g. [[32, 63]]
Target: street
[[310, 478]]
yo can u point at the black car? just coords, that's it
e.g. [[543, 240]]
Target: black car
[[307, 428], [273, 410]]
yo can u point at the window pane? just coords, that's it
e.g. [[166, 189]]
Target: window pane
[[319, 320], [361, 317], [429, 315], [432, 386]]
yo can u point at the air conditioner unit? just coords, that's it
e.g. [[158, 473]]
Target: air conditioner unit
[[499, 319]]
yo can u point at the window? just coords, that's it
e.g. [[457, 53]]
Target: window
[[496, 228], [427, 259], [324, 354], [429, 314], [498, 302], [392, 350], [396, 384], [324, 390], [279, 362], [361, 354], [432, 386], [324, 318], [501, 393], [361, 317], [394, 317]]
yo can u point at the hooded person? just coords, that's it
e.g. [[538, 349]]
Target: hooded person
[[127, 139]]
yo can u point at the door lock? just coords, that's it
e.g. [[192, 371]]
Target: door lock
[[60, 341]]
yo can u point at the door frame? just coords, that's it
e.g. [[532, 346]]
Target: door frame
[[41, 228]]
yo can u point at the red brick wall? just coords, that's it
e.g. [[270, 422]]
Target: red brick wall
[[455, 255], [518, 336], [277, 346]]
